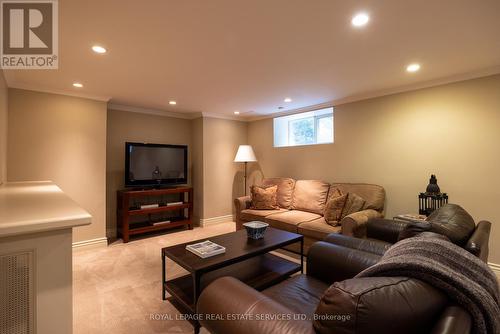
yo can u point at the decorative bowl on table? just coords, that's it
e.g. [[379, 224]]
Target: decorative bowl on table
[[255, 229]]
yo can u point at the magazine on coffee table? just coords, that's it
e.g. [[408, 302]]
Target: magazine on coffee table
[[206, 249]]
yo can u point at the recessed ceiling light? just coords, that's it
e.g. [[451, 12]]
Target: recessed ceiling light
[[99, 49], [77, 85], [413, 67], [236, 112], [287, 100], [360, 19], [172, 103]]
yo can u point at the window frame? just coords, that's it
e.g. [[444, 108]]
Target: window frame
[[316, 120], [316, 126]]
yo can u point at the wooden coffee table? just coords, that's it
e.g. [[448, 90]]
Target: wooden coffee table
[[246, 259]]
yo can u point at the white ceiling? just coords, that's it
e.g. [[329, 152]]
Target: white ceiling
[[218, 56]]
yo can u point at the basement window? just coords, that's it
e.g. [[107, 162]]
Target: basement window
[[307, 128]]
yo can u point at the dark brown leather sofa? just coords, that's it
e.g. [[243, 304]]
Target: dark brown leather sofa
[[450, 220], [359, 305], [353, 305]]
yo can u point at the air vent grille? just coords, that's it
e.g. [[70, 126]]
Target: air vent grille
[[16, 293]]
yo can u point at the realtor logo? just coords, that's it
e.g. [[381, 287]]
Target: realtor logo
[[29, 34]]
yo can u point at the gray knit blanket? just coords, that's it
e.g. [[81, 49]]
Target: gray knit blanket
[[466, 280]]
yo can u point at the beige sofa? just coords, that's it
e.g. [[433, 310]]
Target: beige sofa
[[301, 206]]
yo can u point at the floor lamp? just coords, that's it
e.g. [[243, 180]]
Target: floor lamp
[[245, 154]]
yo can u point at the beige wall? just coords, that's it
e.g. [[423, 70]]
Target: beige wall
[[3, 128], [197, 172], [222, 178], [397, 141], [213, 142], [63, 139], [126, 126]]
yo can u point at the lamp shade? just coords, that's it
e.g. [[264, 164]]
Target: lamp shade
[[245, 154]]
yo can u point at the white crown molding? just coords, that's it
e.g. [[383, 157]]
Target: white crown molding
[[221, 116], [60, 92], [164, 113], [156, 112], [216, 220], [401, 89], [243, 118], [426, 84], [294, 111]]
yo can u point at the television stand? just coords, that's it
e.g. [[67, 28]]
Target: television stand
[[125, 211]]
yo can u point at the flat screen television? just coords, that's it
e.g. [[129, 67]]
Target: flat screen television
[[155, 164]]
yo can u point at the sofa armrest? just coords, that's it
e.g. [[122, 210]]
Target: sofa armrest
[[354, 225], [330, 263], [378, 247], [227, 305], [453, 320], [478, 242], [385, 229], [241, 203]]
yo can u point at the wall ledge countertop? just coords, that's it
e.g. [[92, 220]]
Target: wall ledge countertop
[[37, 206]]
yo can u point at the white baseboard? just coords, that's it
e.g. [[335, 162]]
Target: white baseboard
[[496, 268], [216, 220], [92, 243]]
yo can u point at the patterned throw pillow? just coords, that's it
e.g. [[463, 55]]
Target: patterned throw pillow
[[264, 198], [334, 207], [335, 192], [353, 204]]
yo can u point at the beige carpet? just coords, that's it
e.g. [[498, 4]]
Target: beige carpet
[[117, 289]]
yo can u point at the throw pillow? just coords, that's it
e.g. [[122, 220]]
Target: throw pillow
[[353, 204], [264, 198], [285, 189], [333, 209], [335, 192]]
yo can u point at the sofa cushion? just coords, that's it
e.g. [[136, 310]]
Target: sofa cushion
[[251, 214], [452, 221], [289, 220], [285, 189], [317, 229], [264, 198], [300, 293], [373, 194], [310, 196], [379, 304], [354, 203], [333, 209]]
